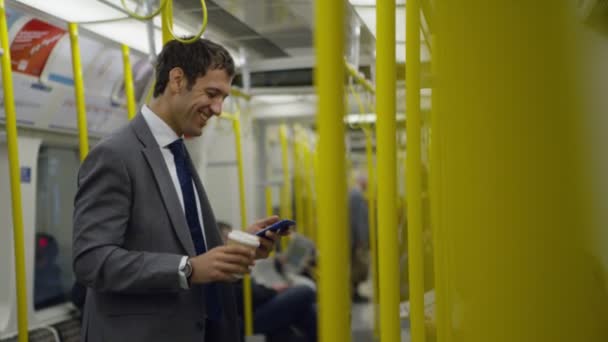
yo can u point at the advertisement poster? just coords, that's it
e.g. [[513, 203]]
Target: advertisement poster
[[101, 118], [11, 17], [32, 46]]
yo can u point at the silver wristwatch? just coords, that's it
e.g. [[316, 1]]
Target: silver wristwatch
[[185, 272], [188, 270]]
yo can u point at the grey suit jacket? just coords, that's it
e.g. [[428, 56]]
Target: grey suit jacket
[[130, 233]]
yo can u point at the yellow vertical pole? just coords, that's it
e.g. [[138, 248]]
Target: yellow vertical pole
[[334, 255], [413, 171], [129, 89], [247, 303], [81, 112], [439, 234], [388, 255], [286, 211], [371, 207], [298, 189], [269, 209], [315, 187], [309, 180], [13, 155], [516, 206]]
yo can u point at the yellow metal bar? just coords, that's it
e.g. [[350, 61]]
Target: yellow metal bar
[[286, 211], [334, 260], [247, 303], [15, 175], [358, 78], [81, 112], [239, 93], [269, 208], [388, 256], [228, 116], [439, 250], [167, 21], [299, 182], [150, 93], [371, 206], [518, 204], [413, 171], [310, 189], [315, 168], [129, 89]]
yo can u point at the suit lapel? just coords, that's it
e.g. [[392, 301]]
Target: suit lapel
[[156, 162]]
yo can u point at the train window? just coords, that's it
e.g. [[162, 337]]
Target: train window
[[56, 187]]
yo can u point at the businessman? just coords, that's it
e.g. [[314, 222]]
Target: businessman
[[145, 241]]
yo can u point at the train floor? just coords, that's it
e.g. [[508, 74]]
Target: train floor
[[362, 323]]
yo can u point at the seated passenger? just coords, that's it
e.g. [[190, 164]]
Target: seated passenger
[[278, 311], [48, 287]]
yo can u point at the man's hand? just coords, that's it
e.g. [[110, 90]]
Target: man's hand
[[220, 264], [267, 242]]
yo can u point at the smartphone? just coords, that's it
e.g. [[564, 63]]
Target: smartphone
[[277, 227]]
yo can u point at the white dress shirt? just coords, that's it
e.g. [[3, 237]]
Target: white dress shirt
[[164, 136]]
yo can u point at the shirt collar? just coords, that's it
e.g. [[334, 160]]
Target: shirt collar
[[163, 134]]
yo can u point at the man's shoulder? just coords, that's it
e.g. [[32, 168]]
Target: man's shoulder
[[123, 139], [118, 145]]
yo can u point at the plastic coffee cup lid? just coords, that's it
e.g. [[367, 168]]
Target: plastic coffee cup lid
[[244, 238]]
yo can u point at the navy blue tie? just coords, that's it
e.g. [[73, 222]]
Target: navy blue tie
[[184, 175]]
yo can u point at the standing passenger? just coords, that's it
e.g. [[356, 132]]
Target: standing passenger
[[359, 225], [145, 240]]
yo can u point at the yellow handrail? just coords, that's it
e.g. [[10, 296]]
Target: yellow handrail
[[286, 211], [144, 17], [358, 78], [268, 204], [439, 251], [239, 93], [169, 19], [166, 16], [247, 296], [15, 178], [269, 208], [414, 172], [81, 113], [371, 207], [388, 256], [129, 89], [166, 10], [310, 190], [334, 254], [518, 205], [298, 188], [315, 170]]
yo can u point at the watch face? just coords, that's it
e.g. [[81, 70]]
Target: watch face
[[188, 269]]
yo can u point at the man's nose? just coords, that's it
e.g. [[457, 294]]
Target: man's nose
[[216, 107]]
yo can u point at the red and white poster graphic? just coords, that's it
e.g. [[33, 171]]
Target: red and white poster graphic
[[33, 45]]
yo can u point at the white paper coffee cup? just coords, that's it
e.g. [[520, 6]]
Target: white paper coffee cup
[[237, 237]]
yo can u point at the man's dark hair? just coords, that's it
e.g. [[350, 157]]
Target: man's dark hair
[[194, 59]]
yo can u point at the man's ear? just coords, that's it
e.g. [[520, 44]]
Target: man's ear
[[177, 80]]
